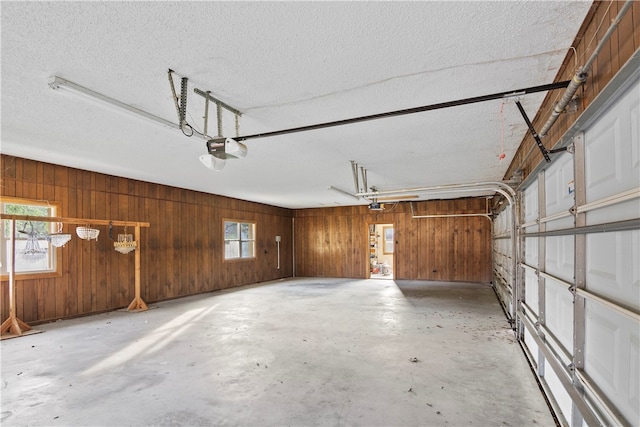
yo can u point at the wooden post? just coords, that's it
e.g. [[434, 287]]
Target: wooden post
[[13, 325], [137, 304]]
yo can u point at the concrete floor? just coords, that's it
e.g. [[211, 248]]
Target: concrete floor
[[381, 276], [293, 352]]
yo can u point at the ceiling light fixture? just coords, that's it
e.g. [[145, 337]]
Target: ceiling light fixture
[[58, 83], [212, 162], [217, 156]]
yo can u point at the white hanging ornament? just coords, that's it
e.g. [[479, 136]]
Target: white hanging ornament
[[59, 238], [125, 243], [32, 251]]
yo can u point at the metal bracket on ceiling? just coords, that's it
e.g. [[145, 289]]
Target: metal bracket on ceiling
[[516, 95], [219, 107], [359, 172], [181, 107], [180, 102], [207, 95], [541, 146]]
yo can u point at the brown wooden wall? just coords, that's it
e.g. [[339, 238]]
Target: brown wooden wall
[[182, 251], [616, 52], [334, 242]]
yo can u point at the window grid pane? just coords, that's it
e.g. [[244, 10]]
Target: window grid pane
[[239, 240], [231, 249], [231, 230], [27, 264]]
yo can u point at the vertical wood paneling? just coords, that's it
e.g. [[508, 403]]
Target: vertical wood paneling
[[152, 209], [167, 254], [427, 249], [182, 251], [49, 297], [635, 24], [201, 229]]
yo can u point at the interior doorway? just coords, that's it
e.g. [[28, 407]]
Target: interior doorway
[[381, 251]]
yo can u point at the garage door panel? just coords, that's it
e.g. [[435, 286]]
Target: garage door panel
[[531, 251], [612, 356], [602, 151], [629, 209], [559, 256], [560, 395], [531, 345], [559, 191], [502, 224], [612, 158], [502, 256], [601, 338], [633, 396], [612, 266], [531, 290], [634, 130], [602, 348], [531, 202], [559, 313]]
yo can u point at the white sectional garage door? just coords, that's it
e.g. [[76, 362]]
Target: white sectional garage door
[[503, 259], [578, 312]]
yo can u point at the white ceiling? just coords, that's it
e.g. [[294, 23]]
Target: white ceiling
[[283, 64]]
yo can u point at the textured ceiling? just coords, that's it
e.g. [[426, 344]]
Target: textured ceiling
[[283, 65]]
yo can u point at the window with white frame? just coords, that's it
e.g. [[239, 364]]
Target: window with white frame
[[239, 240], [34, 254]]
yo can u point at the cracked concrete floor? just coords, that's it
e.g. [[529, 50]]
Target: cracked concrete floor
[[303, 351]]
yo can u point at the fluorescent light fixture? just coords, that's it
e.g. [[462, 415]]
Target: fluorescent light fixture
[[396, 198], [220, 149], [345, 193], [58, 83], [212, 162]]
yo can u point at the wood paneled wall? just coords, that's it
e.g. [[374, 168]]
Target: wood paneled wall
[[182, 251], [624, 41], [334, 242]]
